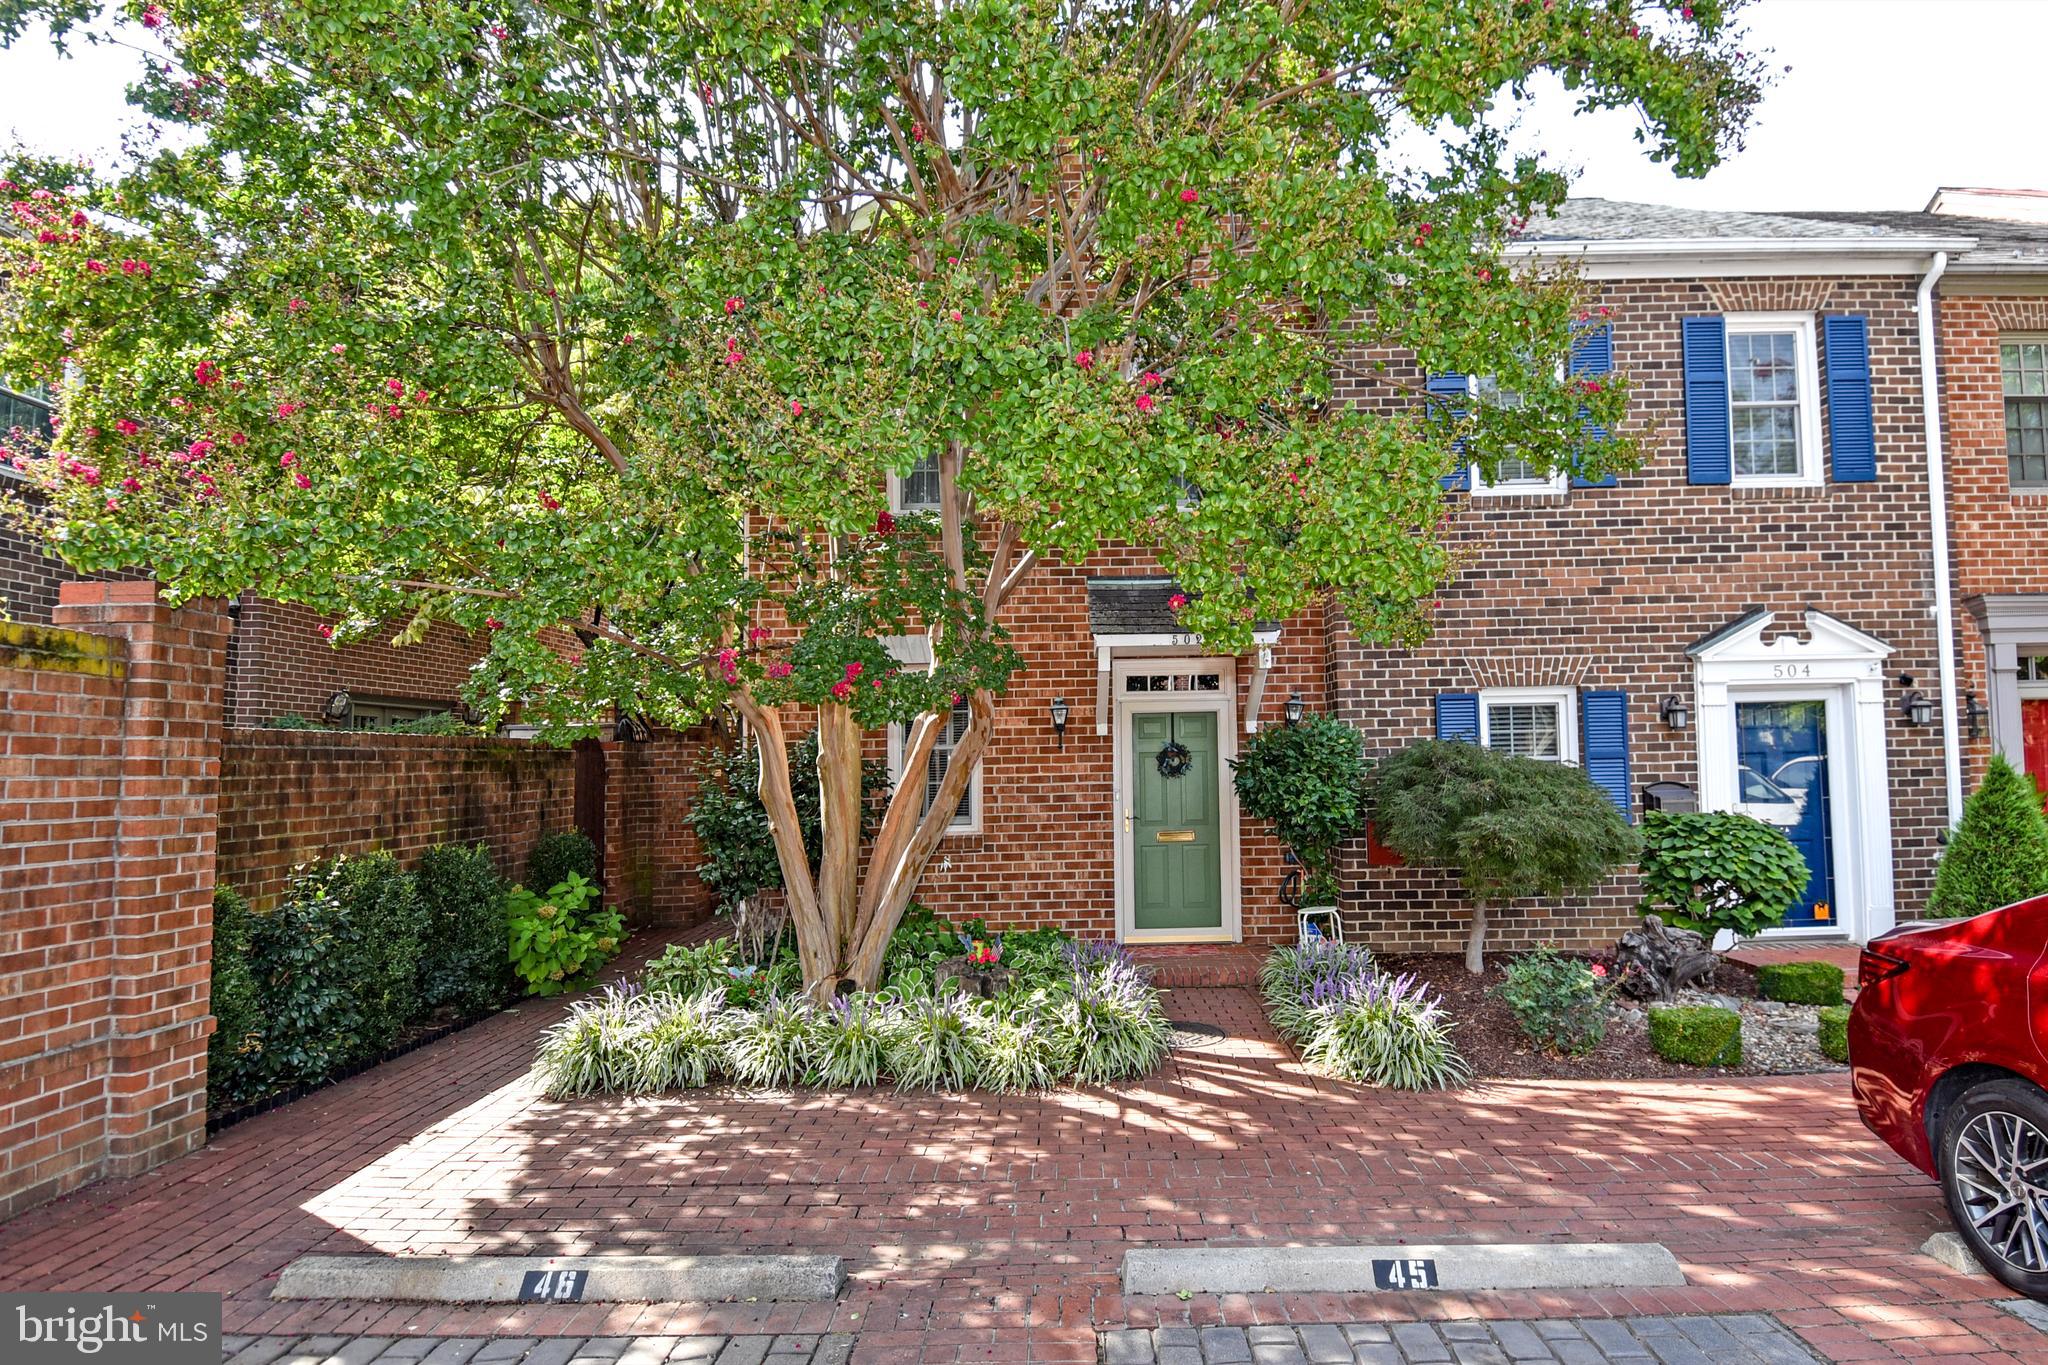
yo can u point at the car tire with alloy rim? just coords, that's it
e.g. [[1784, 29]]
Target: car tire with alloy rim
[[1993, 1151]]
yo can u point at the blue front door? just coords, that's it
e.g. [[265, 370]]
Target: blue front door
[[1781, 777]]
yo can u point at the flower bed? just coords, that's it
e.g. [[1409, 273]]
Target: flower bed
[[1070, 1013]]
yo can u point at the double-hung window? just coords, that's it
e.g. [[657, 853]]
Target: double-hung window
[[1773, 400], [1529, 722], [2023, 370], [914, 651], [1511, 476], [916, 490]]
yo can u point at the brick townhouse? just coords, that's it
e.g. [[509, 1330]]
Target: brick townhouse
[[1750, 615], [1993, 324], [277, 662]]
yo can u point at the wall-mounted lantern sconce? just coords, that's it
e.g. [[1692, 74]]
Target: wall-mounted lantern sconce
[[1295, 708], [337, 707], [1916, 706], [1060, 712], [1973, 714], [631, 730], [1675, 713]]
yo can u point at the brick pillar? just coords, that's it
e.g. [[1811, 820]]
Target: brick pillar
[[156, 917]]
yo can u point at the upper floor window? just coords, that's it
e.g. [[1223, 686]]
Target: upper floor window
[[29, 410], [1773, 399], [2023, 365], [1511, 475], [917, 490], [1529, 722]]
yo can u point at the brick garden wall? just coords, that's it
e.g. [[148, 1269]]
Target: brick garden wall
[[650, 852], [292, 796], [1605, 587], [1996, 533], [108, 760]]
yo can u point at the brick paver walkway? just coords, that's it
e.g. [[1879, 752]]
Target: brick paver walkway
[[992, 1228], [1731, 1339]]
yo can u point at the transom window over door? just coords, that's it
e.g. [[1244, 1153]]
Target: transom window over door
[[1773, 399], [2023, 369], [1529, 723]]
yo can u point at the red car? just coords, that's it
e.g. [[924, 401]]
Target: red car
[[1946, 1055]]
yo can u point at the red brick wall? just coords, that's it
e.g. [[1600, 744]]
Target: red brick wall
[[29, 574], [1605, 587], [279, 663], [650, 852], [1997, 534], [293, 796], [109, 753]]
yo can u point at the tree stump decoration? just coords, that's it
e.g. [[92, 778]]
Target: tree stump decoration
[[1656, 961], [972, 979]]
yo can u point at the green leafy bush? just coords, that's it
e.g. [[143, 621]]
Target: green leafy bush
[[557, 855], [683, 970], [1559, 1002], [1509, 826], [233, 1053], [558, 942], [1999, 851], [774, 1044], [1711, 870], [378, 949], [1309, 780], [732, 827], [292, 720], [442, 723], [1834, 1033], [1387, 1030], [1700, 1035], [462, 904], [1801, 983]]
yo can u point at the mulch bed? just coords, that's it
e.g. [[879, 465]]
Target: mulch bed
[[1491, 1040]]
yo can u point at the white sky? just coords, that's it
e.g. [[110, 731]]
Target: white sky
[[1886, 100]]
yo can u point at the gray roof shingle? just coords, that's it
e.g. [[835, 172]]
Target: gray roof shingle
[[2000, 242], [1613, 220]]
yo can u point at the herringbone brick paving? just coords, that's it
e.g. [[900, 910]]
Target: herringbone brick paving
[[992, 1228]]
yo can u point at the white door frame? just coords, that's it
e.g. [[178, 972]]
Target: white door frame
[[1844, 668], [1223, 702]]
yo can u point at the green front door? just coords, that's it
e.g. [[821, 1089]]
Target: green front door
[[1176, 826]]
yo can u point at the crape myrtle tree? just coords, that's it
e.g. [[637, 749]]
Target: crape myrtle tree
[[616, 317]]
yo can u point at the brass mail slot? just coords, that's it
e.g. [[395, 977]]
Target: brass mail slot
[[1175, 836]]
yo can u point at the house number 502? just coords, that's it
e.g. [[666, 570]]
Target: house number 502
[[1791, 670]]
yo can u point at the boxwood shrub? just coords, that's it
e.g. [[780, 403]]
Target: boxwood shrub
[[559, 854], [1834, 1033], [1701, 1035], [462, 944], [1801, 983]]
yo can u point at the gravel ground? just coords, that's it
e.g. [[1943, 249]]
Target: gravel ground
[[1777, 1038]]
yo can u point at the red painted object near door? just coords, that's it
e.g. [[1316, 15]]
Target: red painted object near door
[[2034, 739]]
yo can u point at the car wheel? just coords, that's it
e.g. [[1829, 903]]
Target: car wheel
[[1994, 1171]]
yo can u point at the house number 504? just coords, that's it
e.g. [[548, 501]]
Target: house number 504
[[1791, 670]]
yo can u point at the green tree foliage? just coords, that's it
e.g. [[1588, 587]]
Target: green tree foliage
[[732, 825], [1714, 870], [614, 320], [1998, 853], [1309, 780], [1508, 826]]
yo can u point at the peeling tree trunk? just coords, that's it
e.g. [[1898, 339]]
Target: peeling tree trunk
[[1475, 942]]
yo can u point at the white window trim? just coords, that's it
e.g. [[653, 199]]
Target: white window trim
[[896, 497], [1807, 359], [899, 735], [1558, 482], [1566, 699], [2006, 339]]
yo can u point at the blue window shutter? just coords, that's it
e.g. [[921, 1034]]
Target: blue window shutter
[[1603, 747], [1457, 716], [1592, 356], [1851, 437], [1705, 343], [1451, 391]]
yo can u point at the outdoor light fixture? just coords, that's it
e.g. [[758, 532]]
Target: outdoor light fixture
[[1973, 714], [631, 730], [337, 707], [1295, 707], [1675, 713], [1060, 711], [1916, 706]]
